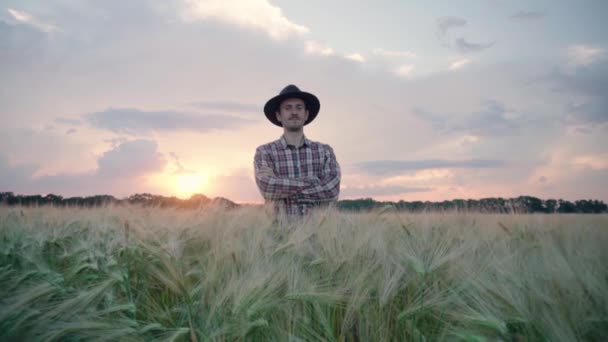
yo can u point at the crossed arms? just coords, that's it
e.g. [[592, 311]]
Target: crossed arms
[[325, 188]]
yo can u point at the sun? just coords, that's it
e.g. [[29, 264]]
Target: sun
[[187, 184]]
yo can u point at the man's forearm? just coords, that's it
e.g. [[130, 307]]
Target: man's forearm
[[273, 187], [327, 190]]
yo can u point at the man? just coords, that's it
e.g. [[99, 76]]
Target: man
[[293, 172]]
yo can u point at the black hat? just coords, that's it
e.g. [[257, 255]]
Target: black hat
[[291, 91]]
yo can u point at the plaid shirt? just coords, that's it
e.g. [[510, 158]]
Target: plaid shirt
[[304, 176]]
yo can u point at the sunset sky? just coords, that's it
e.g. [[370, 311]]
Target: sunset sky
[[420, 100]]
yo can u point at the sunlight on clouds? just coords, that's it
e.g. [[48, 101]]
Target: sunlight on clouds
[[252, 14], [357, 57], [20, 16], [594, 162], [563, 164], [29, 19], [315, 48], [420, 176], [405, 70], [585, 54], [459, 64]]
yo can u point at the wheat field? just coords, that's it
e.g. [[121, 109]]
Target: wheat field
[[140, 274]]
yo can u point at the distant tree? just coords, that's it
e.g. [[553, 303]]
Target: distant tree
[[550, 206], [565, 207]]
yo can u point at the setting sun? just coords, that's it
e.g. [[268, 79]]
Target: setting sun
[[188, 184]]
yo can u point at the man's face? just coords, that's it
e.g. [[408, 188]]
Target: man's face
[[292, 114]]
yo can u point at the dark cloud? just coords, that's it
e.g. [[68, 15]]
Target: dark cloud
[[462, 45], [374, 190], [492, 119], [70, 131], [592, 112], [589, 85], [134, 121], [227, 106], [446, 23], [527, 15], [384, 167]]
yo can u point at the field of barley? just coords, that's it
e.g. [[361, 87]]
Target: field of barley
[[140, 274]]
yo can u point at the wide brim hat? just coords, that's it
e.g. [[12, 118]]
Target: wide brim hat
[[291, 91]]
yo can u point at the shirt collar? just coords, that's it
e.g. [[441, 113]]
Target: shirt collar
[[284, 144]]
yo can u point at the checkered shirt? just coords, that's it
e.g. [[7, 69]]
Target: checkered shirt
[[304, 177]]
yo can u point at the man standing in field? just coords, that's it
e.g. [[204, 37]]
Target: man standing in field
[[294, 173]]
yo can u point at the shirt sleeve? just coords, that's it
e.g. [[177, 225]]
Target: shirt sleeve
[[327, 188], [273, 187]]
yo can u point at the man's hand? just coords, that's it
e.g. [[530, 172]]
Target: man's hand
[[266, 171]]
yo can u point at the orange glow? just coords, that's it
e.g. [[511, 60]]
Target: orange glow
[[187, 184]]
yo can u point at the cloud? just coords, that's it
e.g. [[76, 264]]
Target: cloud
[[259, 15], [527, 15], [357, 57], [459, 64], [591, 112], [119, 172], [464, 46], [131, 159], [385, 167], [446, 23], [593, 162], [134, 121], [393, 54], [493, 119], [379, 190], [585, 54], [68, 121], [585, 86], [315, 48], [584, 80], [405, 70], [26, 18], [227, 106]]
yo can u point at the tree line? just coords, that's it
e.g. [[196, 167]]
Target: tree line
[[521, 204], [145, 199]]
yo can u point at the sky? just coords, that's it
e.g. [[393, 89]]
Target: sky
[[419, 100]]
